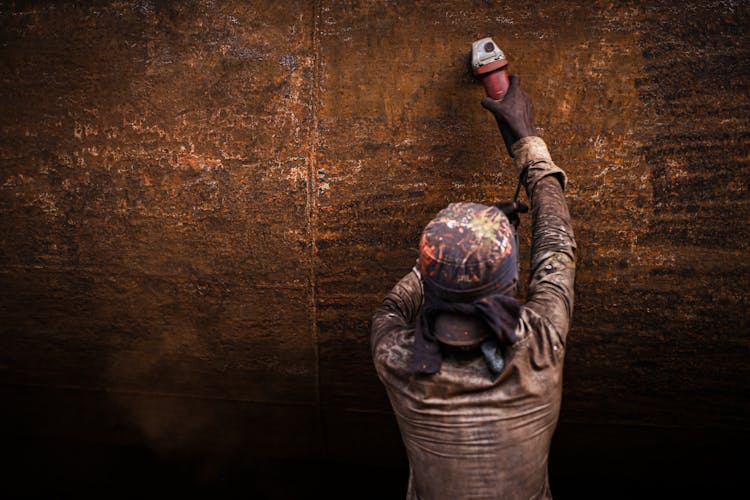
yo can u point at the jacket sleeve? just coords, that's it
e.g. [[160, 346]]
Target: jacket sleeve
[[553, 243], [399, 309]]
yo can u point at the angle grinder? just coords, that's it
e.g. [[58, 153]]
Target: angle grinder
[[488, 63]]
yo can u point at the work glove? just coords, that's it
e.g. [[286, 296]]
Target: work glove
[[514, 114]]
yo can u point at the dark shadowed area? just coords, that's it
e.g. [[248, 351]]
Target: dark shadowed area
[[203, 202]]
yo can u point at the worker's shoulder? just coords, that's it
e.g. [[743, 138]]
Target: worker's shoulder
[[535, 326], [391, 353], [394, 334]]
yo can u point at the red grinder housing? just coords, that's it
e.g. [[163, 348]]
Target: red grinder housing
[[489, 63]]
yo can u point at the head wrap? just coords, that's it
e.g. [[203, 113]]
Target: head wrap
[[469, 264]]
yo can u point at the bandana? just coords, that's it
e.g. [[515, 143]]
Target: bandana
[[499, 311]]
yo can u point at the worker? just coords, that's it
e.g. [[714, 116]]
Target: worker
[[474, 376]]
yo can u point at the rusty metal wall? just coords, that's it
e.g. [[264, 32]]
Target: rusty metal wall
[[203, 202]]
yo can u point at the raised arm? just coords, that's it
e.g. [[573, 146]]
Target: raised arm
[[399, 308], [553, 244], [553, 248]]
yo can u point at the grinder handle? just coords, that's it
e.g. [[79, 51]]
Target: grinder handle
[[496, 85]]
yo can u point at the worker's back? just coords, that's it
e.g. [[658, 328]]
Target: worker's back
[[467, 435]]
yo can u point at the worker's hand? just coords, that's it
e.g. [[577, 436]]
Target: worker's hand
[[514, 114]]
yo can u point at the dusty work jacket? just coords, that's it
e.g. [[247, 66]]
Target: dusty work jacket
[[467, 435]]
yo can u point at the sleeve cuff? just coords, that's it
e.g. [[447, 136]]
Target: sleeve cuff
[[531, 153]]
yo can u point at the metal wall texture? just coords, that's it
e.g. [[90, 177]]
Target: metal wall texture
[[203, 202]]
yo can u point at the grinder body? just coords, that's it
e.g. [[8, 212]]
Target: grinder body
[[489, 64]]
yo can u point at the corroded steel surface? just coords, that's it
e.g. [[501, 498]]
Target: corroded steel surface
[[203, 202]]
